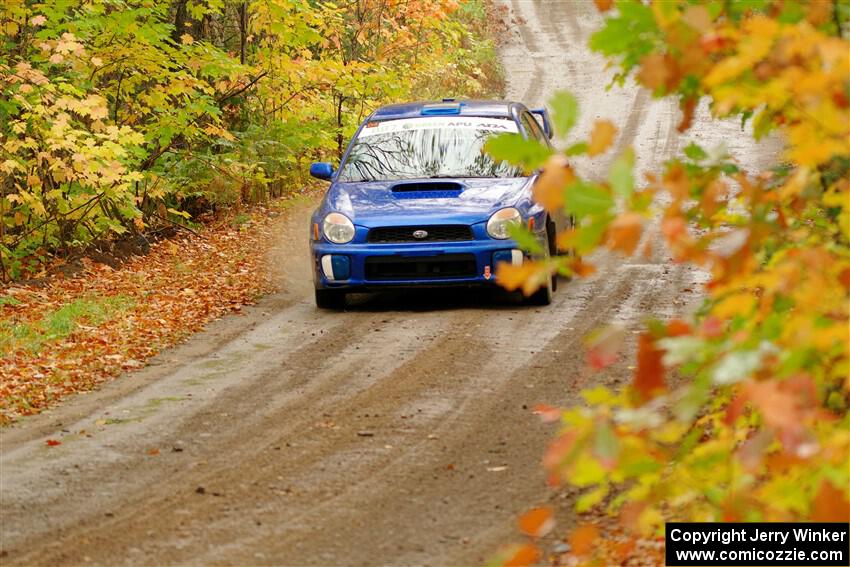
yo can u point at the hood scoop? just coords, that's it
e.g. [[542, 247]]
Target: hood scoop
[[427, 190]]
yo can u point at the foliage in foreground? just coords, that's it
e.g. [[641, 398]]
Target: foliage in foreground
[[119, 115], [757, 426]]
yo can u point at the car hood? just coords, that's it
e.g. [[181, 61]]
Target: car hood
[[389, 203]]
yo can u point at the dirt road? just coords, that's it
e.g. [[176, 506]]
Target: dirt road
[[398, 432]]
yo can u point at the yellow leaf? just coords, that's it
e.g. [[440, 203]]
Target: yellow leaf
[[603, 134], [741, 303], [187, 39]]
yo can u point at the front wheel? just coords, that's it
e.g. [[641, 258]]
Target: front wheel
[[330, 299], [543, 296]]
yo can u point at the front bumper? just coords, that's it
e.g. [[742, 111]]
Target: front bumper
[[363, 267]]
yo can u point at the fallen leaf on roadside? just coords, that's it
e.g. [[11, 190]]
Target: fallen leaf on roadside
[[53, 442], [547, 413]]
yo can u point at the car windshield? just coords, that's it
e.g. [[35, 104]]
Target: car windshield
[[427, 147]]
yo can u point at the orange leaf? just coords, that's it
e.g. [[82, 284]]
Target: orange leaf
[[649, 374], [529, 276], [53, 442], [688, 106], [658, 71], [604, 346], [677, 328], [559, 449], [624, 233], [549, 187], [778, 408], [526, 555], [601, 137], [582, 539], [537, 522], [676, 181], [582, 269], [603, 5], [547, 413], [830, 504]]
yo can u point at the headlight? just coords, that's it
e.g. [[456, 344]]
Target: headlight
[[338, 228], [501, 221]]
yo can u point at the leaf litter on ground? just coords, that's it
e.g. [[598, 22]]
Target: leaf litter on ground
[[76, 332]]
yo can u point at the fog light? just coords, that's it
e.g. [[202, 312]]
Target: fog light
[[336, 267], [514, 257]]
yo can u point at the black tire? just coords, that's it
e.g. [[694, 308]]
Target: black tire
[[551, 236], [543, 296], [330, 299]]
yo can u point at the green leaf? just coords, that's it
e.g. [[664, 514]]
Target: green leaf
[[576, 149], [621, 176], [526, 239], [517, 150], [695, 152], [564, 112], [585, 198], [590, 235]]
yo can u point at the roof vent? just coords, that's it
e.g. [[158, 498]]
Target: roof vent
[[445, 109]]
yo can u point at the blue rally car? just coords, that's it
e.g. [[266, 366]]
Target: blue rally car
[[416, 202]]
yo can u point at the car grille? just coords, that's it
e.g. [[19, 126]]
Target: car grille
[[444, 266], [442, 233]]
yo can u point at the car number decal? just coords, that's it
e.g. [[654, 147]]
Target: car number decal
[[495, 125]]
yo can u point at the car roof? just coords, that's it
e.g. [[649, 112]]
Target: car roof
[[488, 108]]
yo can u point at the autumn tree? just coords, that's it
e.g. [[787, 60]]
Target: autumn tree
[[755, 426], [118, 116]]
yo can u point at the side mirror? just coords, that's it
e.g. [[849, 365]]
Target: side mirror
[[322, 170], [542, 117]]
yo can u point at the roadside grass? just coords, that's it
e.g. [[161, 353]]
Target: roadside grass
[[32, 336]]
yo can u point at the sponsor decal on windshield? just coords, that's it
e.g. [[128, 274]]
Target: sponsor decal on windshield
[[495, 125]]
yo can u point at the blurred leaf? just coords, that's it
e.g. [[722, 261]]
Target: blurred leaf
[[584, 198], [601, 137], [621, 176], [564, 112], [516, 150], [537, 522]]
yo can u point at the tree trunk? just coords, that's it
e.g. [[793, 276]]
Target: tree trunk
[[180, 17], [243, 30]]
